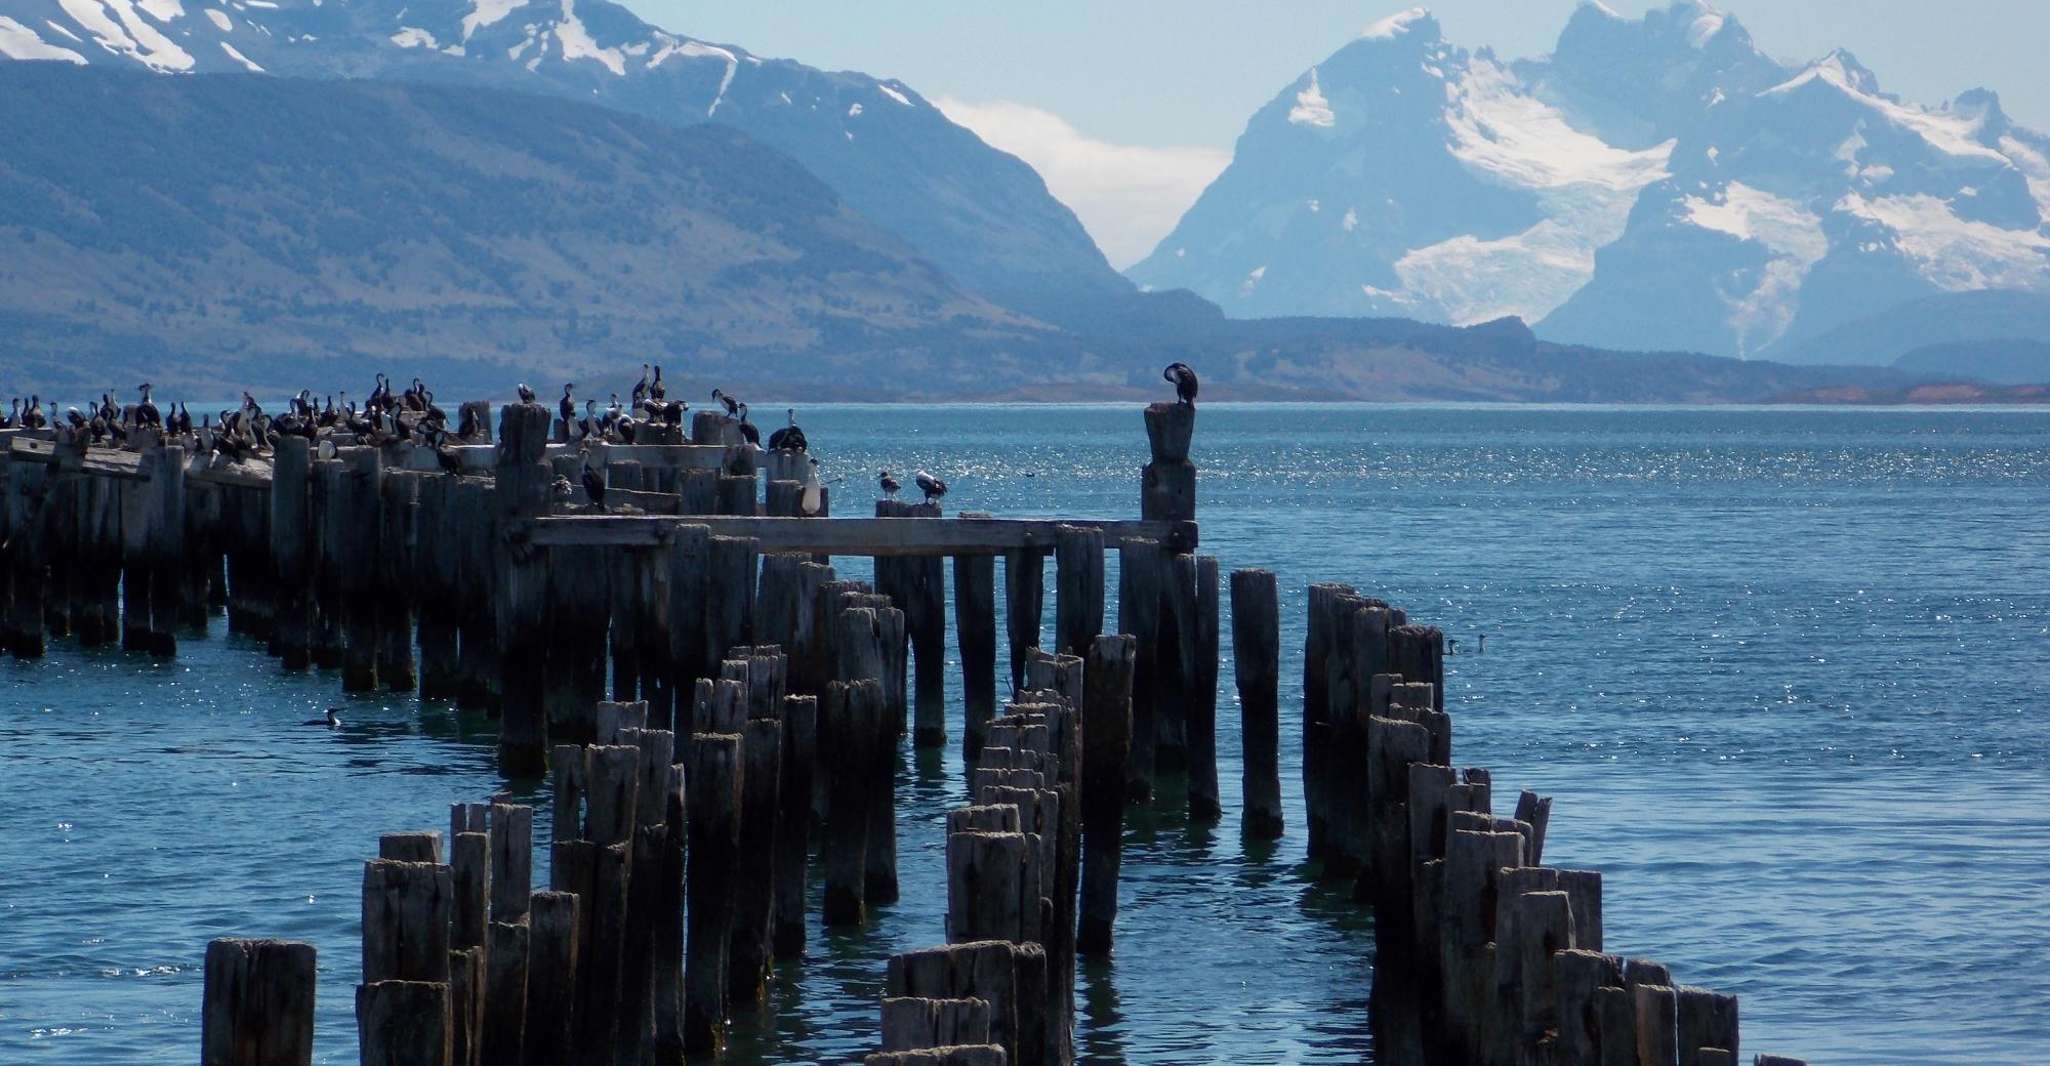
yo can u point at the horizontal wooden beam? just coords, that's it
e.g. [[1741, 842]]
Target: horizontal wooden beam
[[127, 466], [853, 536]]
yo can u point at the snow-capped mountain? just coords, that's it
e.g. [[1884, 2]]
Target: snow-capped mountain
[[982, 215], [1654, 183]]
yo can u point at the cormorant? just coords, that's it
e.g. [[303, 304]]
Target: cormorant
[[568, 407], [789, 436], [641, 387], [594, 486], [526, 394], [655, 389], [933, 487], [748, 432], [332, 721], [890, 485], [732, 405], [1184, 382]]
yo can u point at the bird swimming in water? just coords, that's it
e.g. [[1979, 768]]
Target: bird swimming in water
[[1184, 382], [933, 487], [890, 485], [789, 436], [526, 394], [332, 721]]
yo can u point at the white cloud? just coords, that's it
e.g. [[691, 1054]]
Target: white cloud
[[1127, 195]]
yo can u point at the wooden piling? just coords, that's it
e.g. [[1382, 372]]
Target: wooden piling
[[1024, 603], [761, 783], [851, 728], [1256, 661], [1140, 581], [975, 622], [1205, 800], [360, 498], [1106, 740], [520, 585], [793, 825], [1078, 593], [404, 1023], [290, 544], [714, 779], [554, 975], [257, 1004]]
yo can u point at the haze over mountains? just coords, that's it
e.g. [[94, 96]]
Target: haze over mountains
[[1653, 183], [557, 186]]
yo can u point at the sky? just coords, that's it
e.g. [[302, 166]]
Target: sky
[[1129, 108]]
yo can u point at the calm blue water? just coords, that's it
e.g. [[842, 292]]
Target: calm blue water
[[1784, 671]]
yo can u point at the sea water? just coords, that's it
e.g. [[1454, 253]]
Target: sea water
[[1783, 670]]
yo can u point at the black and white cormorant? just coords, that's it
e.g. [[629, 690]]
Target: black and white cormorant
[[789, 437], [732, 405], [640, 392], [655, 389], [594, 486], [333, 720], [933, 487], [568, 407], [1184, 382], [890, 485], [526, 394]]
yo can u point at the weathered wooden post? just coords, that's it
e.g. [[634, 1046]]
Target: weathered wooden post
[[554, 978], [521, 586], [713, 777], [257, 1008], [1078, 593], [164, 546], [761, 784], [975, 621], [1106, 742], [1140, 565], [357, 526], [1205, 802], [851, 726], [793, 824], [1256, 657], [1024, 603], [1317, 643], [290, 544], [397, 670]]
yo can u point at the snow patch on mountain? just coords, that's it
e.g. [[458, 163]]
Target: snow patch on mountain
[[1311, 108], [1957, 254], [119, 28], [1395, 25], [240, 58], [20, 42], [487, 13], [577, 42]]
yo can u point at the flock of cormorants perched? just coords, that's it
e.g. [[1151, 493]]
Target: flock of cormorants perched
[[387, 417]]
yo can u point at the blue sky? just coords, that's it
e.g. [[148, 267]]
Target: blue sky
[[1129, 107]]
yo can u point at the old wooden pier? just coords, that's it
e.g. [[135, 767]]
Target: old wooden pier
[[717, 714]]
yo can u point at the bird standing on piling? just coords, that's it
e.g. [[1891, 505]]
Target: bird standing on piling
[[890, 485], [640, 393], [748, 432], [789, 437], [526, 394], [568, 407], [655, 389], [1184, 382], [732, 405], [933, 487], [594, 485]]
